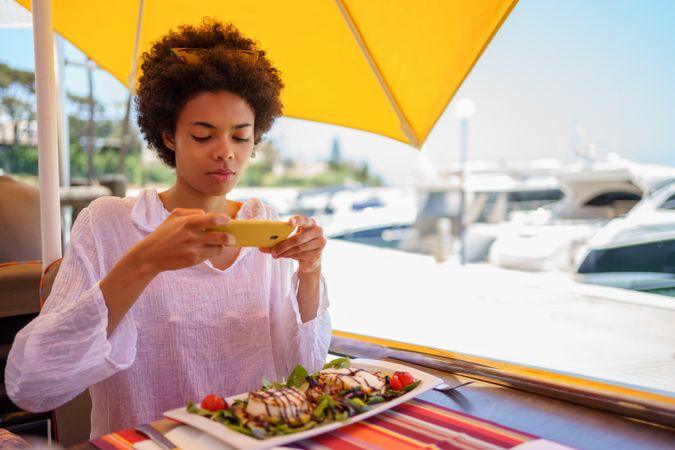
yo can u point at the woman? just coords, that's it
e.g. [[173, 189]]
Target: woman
[[149, 309]]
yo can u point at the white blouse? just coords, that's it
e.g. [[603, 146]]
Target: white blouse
[[192, 331]]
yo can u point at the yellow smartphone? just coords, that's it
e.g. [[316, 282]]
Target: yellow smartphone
[[257, 233]]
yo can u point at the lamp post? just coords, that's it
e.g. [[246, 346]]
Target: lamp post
[[464, 110]]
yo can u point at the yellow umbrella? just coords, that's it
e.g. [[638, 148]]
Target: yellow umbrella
[[386, 66]]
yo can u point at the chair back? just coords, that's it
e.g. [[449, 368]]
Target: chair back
[[47, 280], [20, 273], [24, 287], [19, 221]]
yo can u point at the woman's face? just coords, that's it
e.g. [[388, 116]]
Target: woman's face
[[213, 142]]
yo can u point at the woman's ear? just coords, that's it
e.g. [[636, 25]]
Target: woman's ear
[[168, 141]]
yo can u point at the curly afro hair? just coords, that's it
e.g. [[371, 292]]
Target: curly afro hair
[[170, 81]]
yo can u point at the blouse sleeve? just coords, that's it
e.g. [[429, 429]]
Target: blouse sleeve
[[294, 341], [66, 349]]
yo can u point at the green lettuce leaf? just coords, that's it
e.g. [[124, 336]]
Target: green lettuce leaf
[[297, 377], [338, 363]]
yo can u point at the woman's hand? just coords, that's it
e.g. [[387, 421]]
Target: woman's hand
[[182, 240], [305, 246]]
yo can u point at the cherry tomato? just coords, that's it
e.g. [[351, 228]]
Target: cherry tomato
[[395, 383], [405, 378], [214, 403]]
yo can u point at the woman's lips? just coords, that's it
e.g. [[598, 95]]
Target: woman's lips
[[222, 175]]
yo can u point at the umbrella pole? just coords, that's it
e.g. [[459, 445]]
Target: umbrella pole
[[62, 126], [50, 217], [126, 137]]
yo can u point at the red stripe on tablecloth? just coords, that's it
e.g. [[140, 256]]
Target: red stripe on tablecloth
[[131, 435], [526, 436], [477, 428], [382, 438], [387, 423], [122, 440], [102, 444], [113, 441], [331, 441], [461, 445], [482, 431], [452, 429], [426, 434], [367, 435]]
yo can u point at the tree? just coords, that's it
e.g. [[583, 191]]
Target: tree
[[260, 171], [87, 109], [363, 174], [335, 160], [17, 100]]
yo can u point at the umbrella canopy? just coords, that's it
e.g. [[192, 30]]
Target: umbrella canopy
[[386, 66]]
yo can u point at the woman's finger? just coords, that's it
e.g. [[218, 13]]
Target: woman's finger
[[210, 220], [298, 240], [304, 255], [302, 221], [315, 245], [181, 212], [199, 254], [216, 238], [209, 251]]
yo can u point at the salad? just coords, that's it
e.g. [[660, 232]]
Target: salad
[[304, 401]]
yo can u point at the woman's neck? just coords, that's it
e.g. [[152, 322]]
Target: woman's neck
[[176, 197]]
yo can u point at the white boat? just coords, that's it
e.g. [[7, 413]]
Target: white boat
[[378, 216], [492, 194], [595, 193], [496, 202], [643, 242]]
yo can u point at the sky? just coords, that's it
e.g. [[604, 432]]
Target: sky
[[605, 67]]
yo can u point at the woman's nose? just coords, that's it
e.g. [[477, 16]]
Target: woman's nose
[[224, 151]]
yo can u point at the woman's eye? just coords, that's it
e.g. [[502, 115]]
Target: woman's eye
[[201, 138], [241, 139]]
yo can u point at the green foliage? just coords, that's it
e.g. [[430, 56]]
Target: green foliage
[[254, 175], [19, 159], [17, 97], [83, 105], [10, 77], [261, 171], [159, 174], [335, 161], [268, 169], [297, 376], [338, 363]]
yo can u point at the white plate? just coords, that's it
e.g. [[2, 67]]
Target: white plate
[[242, 441]]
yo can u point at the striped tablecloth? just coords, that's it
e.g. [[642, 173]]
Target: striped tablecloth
[[417, 424], [420, 424]]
